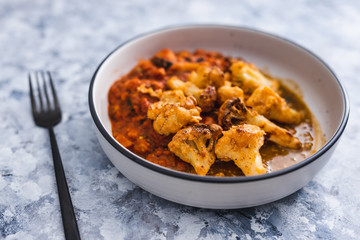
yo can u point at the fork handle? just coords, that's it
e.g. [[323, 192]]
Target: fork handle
[[67, 210]]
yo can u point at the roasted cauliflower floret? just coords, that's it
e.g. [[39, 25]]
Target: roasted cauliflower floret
[[195, 145], [234, 112], [241, 144], [248, 77], [173, 112], [204, 76], [227, 91], [269, 104], [175, 96], [206, 98]]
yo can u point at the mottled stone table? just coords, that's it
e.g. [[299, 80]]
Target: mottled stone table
[[70, 38]]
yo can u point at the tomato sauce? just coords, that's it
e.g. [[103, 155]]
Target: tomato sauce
[[130, 126]]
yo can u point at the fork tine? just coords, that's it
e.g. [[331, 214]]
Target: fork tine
[[45, 90], [33, 103], [56, 102], [39, 92]]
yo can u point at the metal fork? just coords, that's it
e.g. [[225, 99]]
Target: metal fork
[[46, 113]]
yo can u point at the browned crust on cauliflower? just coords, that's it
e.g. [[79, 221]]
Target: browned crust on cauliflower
[[173, 112], [234, 112], [195, 145], [241, 144], [269, 104]]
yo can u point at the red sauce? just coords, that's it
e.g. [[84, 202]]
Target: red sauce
[[131, 127]]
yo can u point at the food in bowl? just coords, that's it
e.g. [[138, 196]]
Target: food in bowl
[[205, 113], [320, 89]]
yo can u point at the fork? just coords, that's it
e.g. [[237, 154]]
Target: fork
[[46, 113]]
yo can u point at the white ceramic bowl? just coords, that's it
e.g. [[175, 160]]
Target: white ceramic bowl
[[322, 91]]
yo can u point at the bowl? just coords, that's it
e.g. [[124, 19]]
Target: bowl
[[321, 90]]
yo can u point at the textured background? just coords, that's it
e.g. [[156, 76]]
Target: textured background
[[70, 38]]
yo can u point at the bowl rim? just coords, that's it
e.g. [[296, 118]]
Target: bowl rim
[[192, 177]]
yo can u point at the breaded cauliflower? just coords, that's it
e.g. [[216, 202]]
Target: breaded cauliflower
[[206, 98], [248, 77], [241, 144], [234, 112], [173, 112], [269, 104], [195, 145]]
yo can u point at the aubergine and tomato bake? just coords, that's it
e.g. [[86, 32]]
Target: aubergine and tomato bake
[[201, 112]]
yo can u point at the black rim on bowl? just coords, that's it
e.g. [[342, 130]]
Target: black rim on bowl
[[193, 177]]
